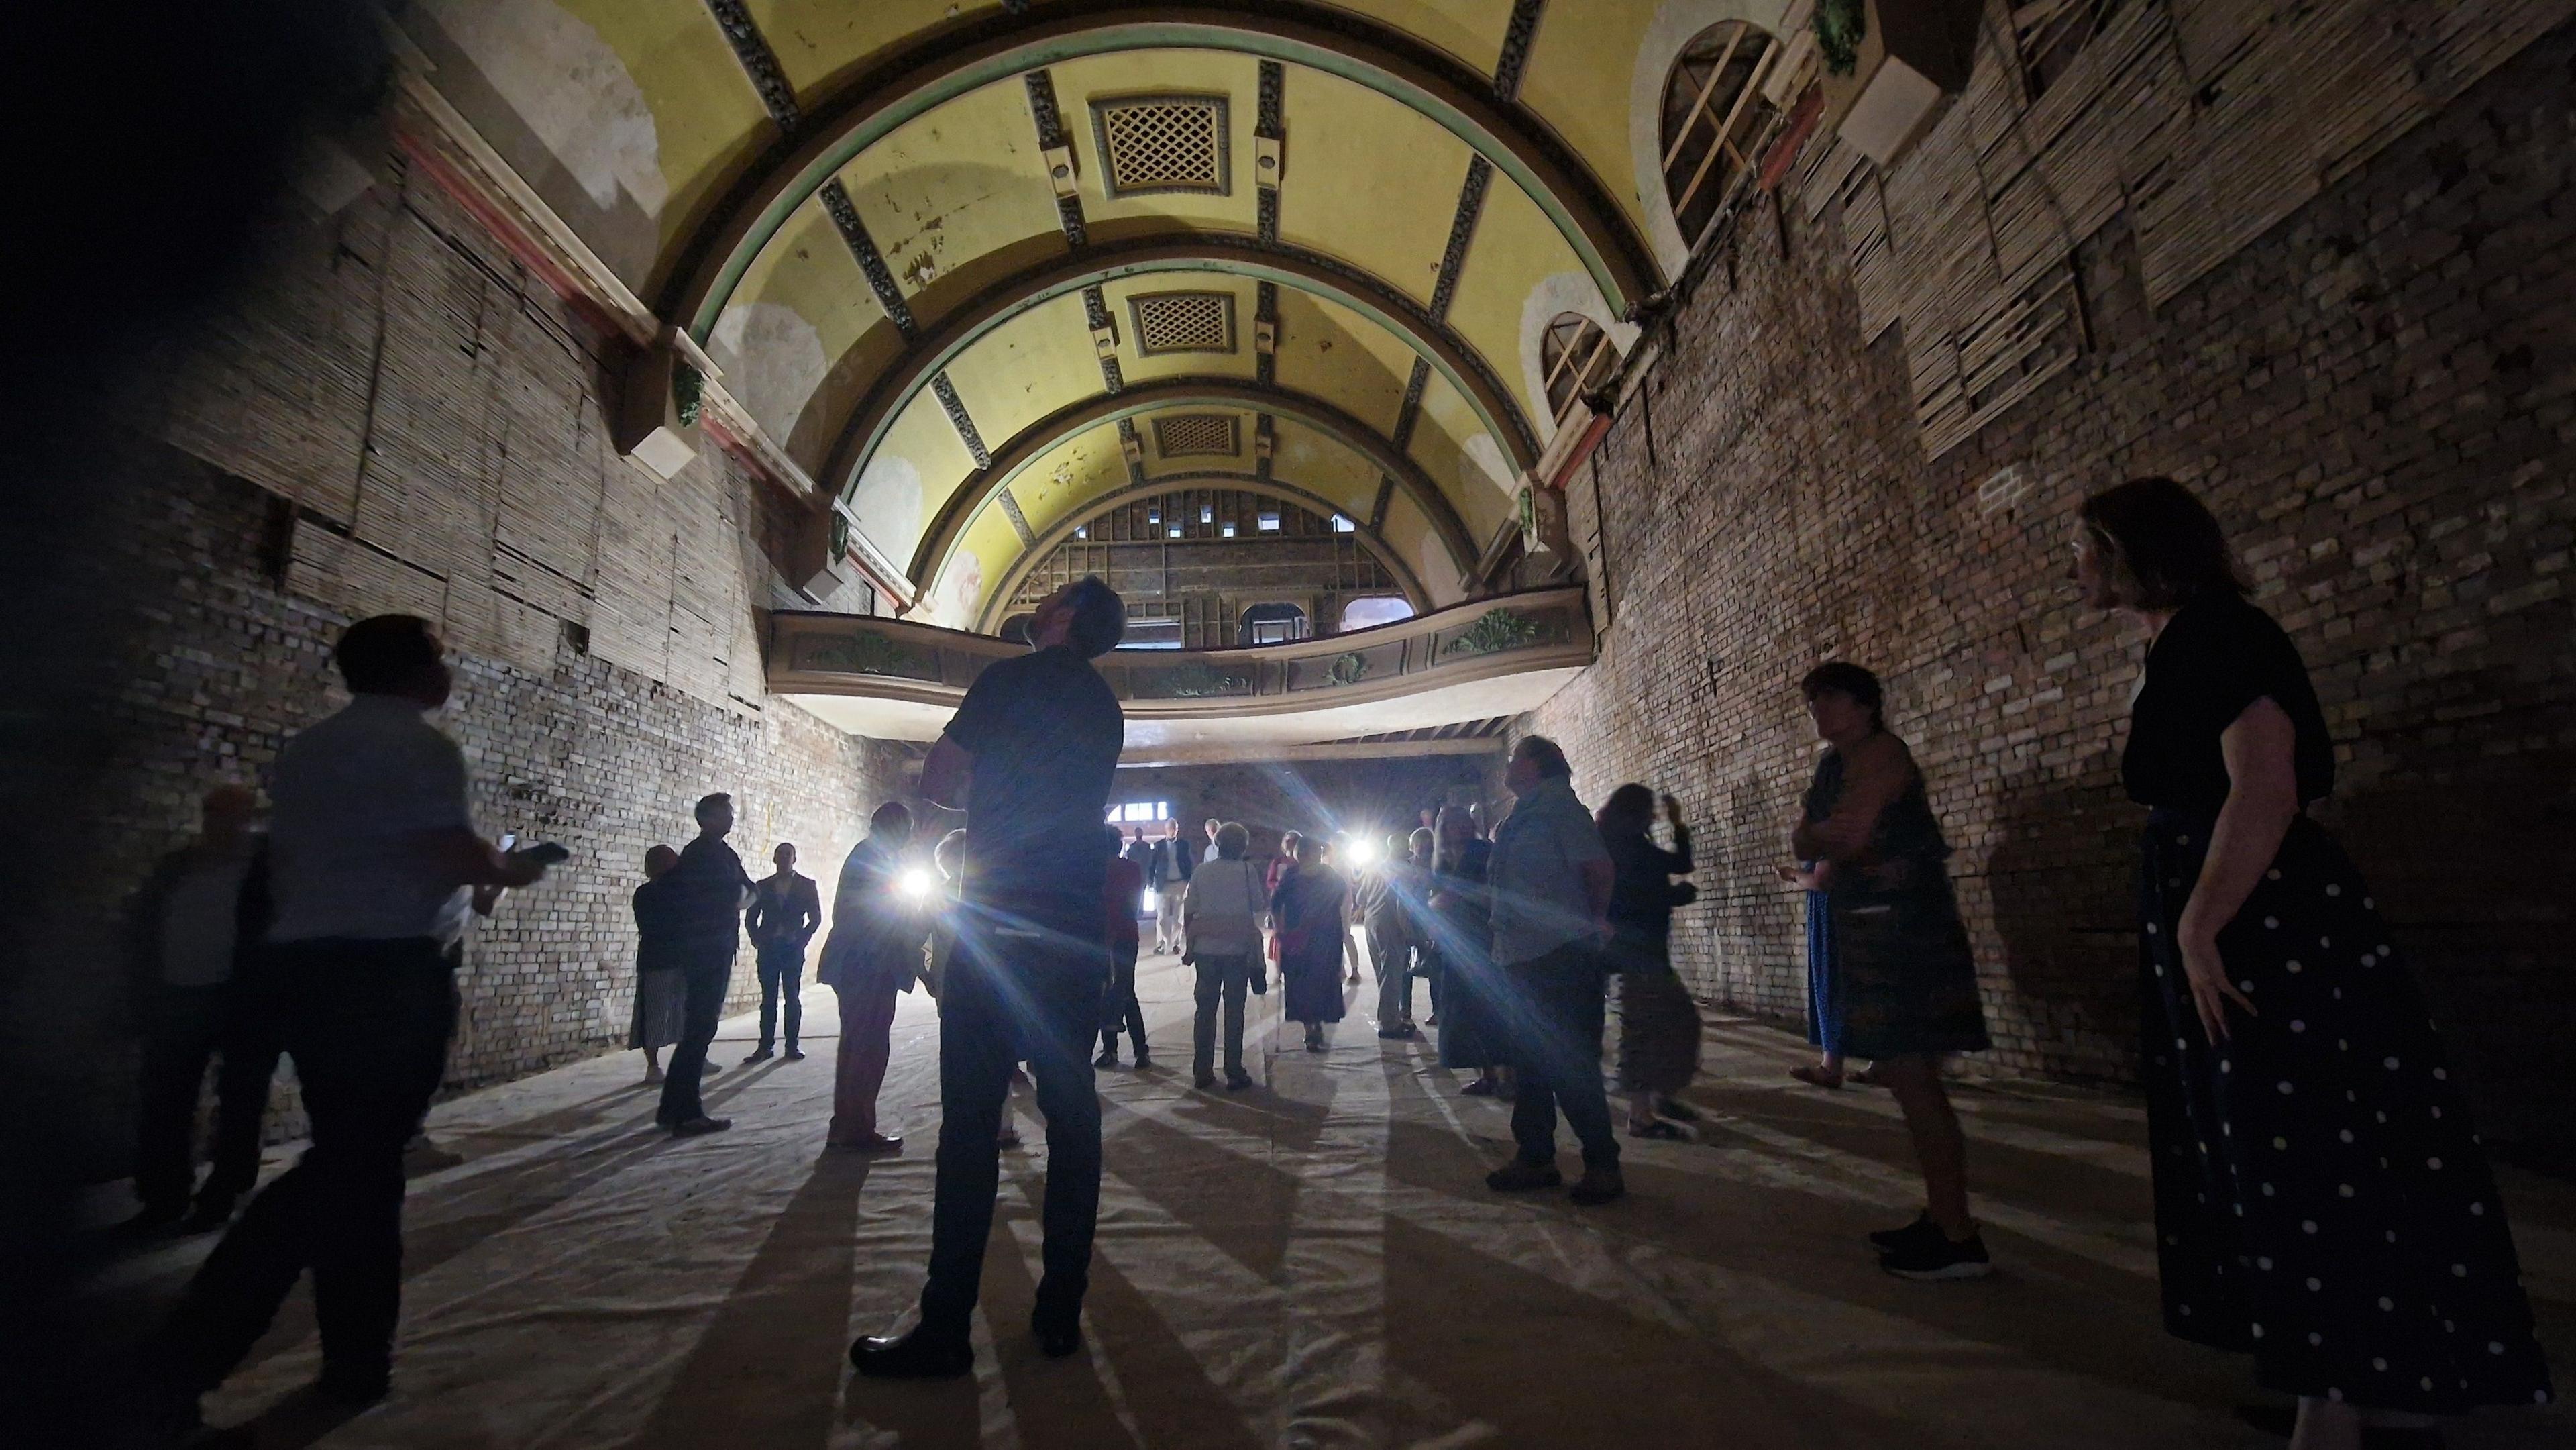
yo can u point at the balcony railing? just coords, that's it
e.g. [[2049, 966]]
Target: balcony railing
[[888, 659]]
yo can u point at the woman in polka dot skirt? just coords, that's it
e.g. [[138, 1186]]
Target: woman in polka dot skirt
[[2321, 1198]]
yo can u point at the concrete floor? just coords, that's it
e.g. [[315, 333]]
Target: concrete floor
[[1314, 1262]]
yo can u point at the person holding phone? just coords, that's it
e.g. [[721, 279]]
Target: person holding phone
[[372, 859]]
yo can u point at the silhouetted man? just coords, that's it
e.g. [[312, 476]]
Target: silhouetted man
[[708, 891], [785, 911], [196, 925], [1031, 754], [371, 851], [873, 954]]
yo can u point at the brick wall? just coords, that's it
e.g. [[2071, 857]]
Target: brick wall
[[333, 449], [2377, 396]]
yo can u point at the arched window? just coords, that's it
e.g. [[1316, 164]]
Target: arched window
[[1579, 359], [1374, 610], [1713, 115]]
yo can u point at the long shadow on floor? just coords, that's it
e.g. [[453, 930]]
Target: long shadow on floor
[[2044, 1305], [765, 1371]]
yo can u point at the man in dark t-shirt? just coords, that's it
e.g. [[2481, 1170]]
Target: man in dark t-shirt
[[705, 896], [1030, 754]]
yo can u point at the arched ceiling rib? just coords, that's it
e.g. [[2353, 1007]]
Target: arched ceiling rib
[[905, 293], [1331, 40], [997, 604], [935, 351], [949, 525]]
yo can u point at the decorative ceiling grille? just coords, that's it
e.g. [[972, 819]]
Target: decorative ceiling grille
[[1162, 143], [1183, 322], [1188, 435]]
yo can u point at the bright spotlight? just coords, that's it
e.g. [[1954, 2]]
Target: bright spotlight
[[1364, 852], [914, 884]]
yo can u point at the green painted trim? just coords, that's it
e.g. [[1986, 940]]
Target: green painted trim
[[1112, 39]]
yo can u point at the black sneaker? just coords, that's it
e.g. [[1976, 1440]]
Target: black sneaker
[[1889, 1240], [1236, 1082], [1936, 1256], [1105, 1059]]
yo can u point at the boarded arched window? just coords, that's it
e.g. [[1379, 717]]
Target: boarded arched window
[[1713, 116], [1578, 358]]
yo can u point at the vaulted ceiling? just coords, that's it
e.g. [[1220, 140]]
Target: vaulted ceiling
[[977, 266]]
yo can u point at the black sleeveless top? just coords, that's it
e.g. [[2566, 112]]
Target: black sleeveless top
[[1906, 849], [2214, 658]]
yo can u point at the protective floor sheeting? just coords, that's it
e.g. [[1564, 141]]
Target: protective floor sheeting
[[1313, 1262]]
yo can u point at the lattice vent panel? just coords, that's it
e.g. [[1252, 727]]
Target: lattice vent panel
[[1168, 322], [1189, 435], [1162, 143]]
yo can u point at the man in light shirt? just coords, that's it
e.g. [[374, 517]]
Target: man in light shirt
[[1551, 877], [372, 852]]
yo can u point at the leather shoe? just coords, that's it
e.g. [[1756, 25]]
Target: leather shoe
[[1520, 1174], [879, 1143], [700, 1126], [915, 1356], [1599, 1186], [1056, 1339], [762, 1055]]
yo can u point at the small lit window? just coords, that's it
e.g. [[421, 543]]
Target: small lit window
[[1131, 811], [1082, 531], [1154, 515], [1373, 611], [1207, 513], [1176, 531], [1343, 525], [1227, 530], [1269, 523]]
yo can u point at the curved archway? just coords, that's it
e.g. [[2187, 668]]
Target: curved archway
[[1032, 443], [1062, 530], [1362, 293], [1335, 41], [1712, 108]]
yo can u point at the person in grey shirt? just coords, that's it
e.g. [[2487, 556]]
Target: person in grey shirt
[[1550, 878]]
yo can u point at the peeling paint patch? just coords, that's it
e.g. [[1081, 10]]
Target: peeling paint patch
[[1488, 458], [772, 360], [571, 89], [888, 503]]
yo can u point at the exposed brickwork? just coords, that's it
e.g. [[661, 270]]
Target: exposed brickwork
[[2379, 399], [588, 754], [483, 483]]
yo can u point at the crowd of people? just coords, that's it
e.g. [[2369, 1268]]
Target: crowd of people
[[2322, 1200]]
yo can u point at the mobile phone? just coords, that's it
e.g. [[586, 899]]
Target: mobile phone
[[547, 853]]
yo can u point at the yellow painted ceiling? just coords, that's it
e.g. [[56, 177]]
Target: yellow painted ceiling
[[638, 122]]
